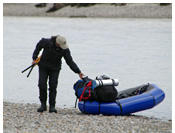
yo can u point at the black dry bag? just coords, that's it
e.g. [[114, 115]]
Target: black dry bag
[[106, 93]]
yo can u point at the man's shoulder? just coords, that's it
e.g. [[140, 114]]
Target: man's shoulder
[[45, 39], [46, 42]]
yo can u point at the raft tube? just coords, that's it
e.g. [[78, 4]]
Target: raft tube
[[144, 101]]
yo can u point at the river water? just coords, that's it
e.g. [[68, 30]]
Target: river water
[[136, 51]]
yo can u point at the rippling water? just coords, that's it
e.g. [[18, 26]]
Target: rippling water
[[136, 51]]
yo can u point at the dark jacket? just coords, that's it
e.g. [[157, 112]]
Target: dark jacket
[[51, 56]]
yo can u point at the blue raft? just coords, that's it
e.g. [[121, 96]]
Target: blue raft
[[124, 106]]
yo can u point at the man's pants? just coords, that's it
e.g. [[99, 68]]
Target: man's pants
[[44, 75]]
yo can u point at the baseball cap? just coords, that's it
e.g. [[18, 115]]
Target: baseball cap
[[61, 40]]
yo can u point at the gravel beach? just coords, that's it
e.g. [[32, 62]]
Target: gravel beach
[[20, 117], [24, 118], [141, 10]]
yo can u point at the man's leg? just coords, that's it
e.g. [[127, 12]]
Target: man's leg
[[42, 83], [53, 81]]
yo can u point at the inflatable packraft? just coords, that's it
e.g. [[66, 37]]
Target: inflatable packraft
[[127, 101]]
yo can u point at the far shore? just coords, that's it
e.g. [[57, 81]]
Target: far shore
[[129, 10]]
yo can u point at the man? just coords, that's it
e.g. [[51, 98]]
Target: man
[[54, 49]]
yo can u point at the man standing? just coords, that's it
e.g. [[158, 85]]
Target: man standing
[[54, 49]]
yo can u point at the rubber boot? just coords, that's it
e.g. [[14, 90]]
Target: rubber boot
[[52, 109], [42, 108]]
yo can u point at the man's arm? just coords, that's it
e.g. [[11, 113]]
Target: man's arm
[[37, 49], [71, 63]]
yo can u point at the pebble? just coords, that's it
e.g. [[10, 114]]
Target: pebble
[[21, 117]]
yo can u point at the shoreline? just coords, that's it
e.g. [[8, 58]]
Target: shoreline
[[22, 117], [142, 10]]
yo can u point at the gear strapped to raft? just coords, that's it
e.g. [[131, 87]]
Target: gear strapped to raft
[[88, 87], [101, 89]]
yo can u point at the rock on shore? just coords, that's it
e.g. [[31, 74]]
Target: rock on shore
[[141, 10], [24, 118]]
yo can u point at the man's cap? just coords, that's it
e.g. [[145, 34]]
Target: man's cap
[[62, 42]]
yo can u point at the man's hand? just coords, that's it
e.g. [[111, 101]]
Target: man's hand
[[37, 60], [81, 75], [34, 62]]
